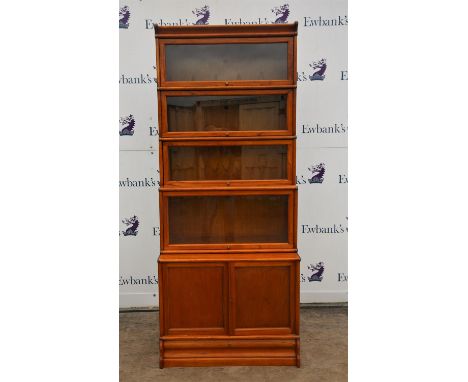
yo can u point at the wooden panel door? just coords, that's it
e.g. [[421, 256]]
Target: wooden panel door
[[195, 298], [263, 298]]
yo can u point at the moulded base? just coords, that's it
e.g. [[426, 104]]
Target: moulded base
[[229, 352]]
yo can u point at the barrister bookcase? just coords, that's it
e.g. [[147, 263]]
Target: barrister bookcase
[[228, 267]]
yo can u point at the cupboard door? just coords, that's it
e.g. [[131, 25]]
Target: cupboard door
[[220, 113], [262, 297], [195, 298], [236, 219], [220, 161], [226, 62]]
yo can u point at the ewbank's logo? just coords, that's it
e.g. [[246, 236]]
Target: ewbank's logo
[[326, 22], [132, 280], [127, 124], [319, 75], [139, 183], [317, 173], [319, 128], [342, 277], [132, 229], [316, 271], [316, 229], [282, 14], [124, 17], [203, 14]]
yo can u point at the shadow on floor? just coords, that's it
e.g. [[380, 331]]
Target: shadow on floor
[[324, 352]]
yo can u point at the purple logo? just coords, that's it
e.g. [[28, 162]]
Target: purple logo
[[282, 14], [317, 173], [124, 17], [317, 271], [319, 75], [127, 124], [132, 229], [203, 14]]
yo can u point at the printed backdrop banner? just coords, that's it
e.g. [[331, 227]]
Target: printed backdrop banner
[[322, 131]]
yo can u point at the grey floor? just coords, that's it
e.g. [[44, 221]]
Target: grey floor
[[324, 352]]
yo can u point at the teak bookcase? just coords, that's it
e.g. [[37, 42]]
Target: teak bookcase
[[228, 268]]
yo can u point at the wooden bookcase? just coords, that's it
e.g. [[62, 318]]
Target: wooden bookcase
[[228, 268]]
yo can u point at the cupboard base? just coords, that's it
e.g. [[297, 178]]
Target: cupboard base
[[229, 352]]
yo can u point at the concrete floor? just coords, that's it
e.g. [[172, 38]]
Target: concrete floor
[[324, 348]]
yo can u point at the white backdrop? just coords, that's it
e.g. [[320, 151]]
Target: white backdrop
[[322, 131]]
